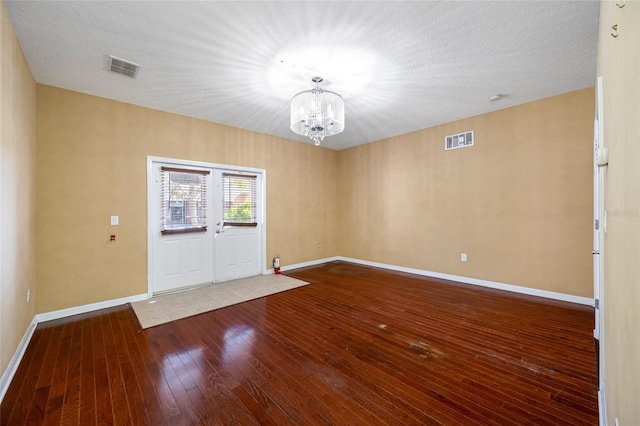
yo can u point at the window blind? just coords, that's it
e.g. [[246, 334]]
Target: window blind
[[239, 200], [183, 198]]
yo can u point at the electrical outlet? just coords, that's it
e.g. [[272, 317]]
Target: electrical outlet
[[463, 257], [28, 295]]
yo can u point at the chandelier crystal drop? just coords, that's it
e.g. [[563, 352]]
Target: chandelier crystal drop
[[317, 113]]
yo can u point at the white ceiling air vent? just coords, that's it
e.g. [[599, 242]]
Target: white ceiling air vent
[[458, 141], [120, 66]]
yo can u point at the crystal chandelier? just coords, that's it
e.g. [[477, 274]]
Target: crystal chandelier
[[317, 113]]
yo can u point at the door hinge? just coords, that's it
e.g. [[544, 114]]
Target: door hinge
[[596, 303], [597, 224]]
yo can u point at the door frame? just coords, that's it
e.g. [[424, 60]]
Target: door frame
[[598, 212], [600, 215], [190, 163]]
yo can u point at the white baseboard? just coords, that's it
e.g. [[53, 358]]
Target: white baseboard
[[48, 316], [602, 407], [304, 264], [8, 374], [484, 283]]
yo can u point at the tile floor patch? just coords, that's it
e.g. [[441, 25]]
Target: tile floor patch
[[181, 304]]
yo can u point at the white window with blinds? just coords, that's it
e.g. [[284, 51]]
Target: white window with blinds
[[239, 200], [183, 198]]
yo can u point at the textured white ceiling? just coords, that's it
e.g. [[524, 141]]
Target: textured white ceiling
[[400, 66]]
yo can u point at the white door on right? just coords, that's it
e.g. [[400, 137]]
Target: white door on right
[[238, 225]]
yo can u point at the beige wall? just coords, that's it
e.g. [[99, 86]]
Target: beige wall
[[518, 202], [619, 65], [17, 191], [91, 164]]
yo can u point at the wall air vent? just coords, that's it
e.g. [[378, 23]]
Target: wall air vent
[[458, 141], [120, 66]]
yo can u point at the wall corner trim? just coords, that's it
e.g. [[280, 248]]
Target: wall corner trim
[[484, 283], [8, 374]]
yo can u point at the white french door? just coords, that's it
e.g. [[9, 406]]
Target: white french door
[[236, 244], [224, 251], [180, 259]]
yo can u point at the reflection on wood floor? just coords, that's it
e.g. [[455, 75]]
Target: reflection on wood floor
[[359, 345]]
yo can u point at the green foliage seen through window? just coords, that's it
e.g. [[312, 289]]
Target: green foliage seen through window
[[239, 213]]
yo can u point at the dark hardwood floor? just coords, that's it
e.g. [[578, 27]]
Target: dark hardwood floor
[[358, 346]]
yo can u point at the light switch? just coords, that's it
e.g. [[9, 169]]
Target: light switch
[[115, 220]]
